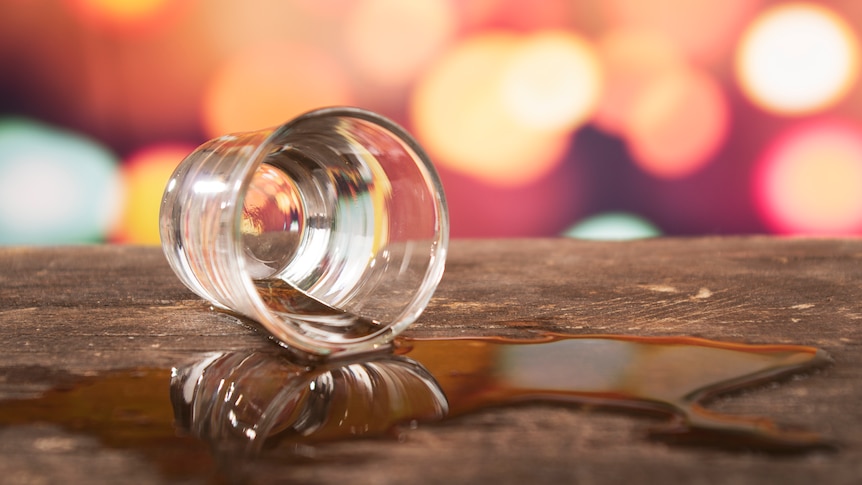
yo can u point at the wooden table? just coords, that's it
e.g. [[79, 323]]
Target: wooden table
[[72, 314]]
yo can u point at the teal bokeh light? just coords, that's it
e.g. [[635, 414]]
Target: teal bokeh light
[[613, 226], [56, 187]]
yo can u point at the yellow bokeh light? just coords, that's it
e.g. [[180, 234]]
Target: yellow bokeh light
[[797, 58], [270, 84], [125, 14], [145, 174], [390, 41], [678, 124], [810, 181], [479, 110], [552, 81]]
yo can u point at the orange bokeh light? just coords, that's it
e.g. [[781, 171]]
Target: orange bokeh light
[[490, 109], [324, 8], [703, 29], [145, 175], [126, 15], [810, 180], [678, 124], [270, 84], [797, 58], [390, 41], [632, 60]]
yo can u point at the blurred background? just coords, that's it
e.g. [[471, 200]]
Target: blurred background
[[588, 118]]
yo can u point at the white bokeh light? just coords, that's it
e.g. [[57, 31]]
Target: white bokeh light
[[797, 58]]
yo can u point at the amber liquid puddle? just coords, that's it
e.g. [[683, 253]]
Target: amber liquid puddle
[[239, 403]]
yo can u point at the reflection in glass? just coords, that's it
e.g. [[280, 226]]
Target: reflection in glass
[[250, 400], [247, 399]]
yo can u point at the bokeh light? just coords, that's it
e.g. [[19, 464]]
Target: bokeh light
[[125, 15], [56, 187], [797, 58], [324, 8], [268, 85], [678, 124], [146, 173], [552, 81], [492, 15], [632, 60], [810, 180], [469, 109], [536, 114], [613, 226], [703, 29], [390, 41]]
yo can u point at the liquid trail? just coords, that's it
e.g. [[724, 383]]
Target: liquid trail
[[238, 403]]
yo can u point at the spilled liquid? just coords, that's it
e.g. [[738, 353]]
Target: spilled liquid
[[238, 403]]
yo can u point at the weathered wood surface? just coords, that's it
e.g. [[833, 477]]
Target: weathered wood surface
[[84, 310]]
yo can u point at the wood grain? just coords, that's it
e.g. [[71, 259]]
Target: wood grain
[[78, 311]]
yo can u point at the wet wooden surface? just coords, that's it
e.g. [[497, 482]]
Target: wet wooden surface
[[68, 312]]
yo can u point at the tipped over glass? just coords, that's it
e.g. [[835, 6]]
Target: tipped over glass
[[330, 231]]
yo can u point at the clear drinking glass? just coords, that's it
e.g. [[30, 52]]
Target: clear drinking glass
[[330, 231]]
